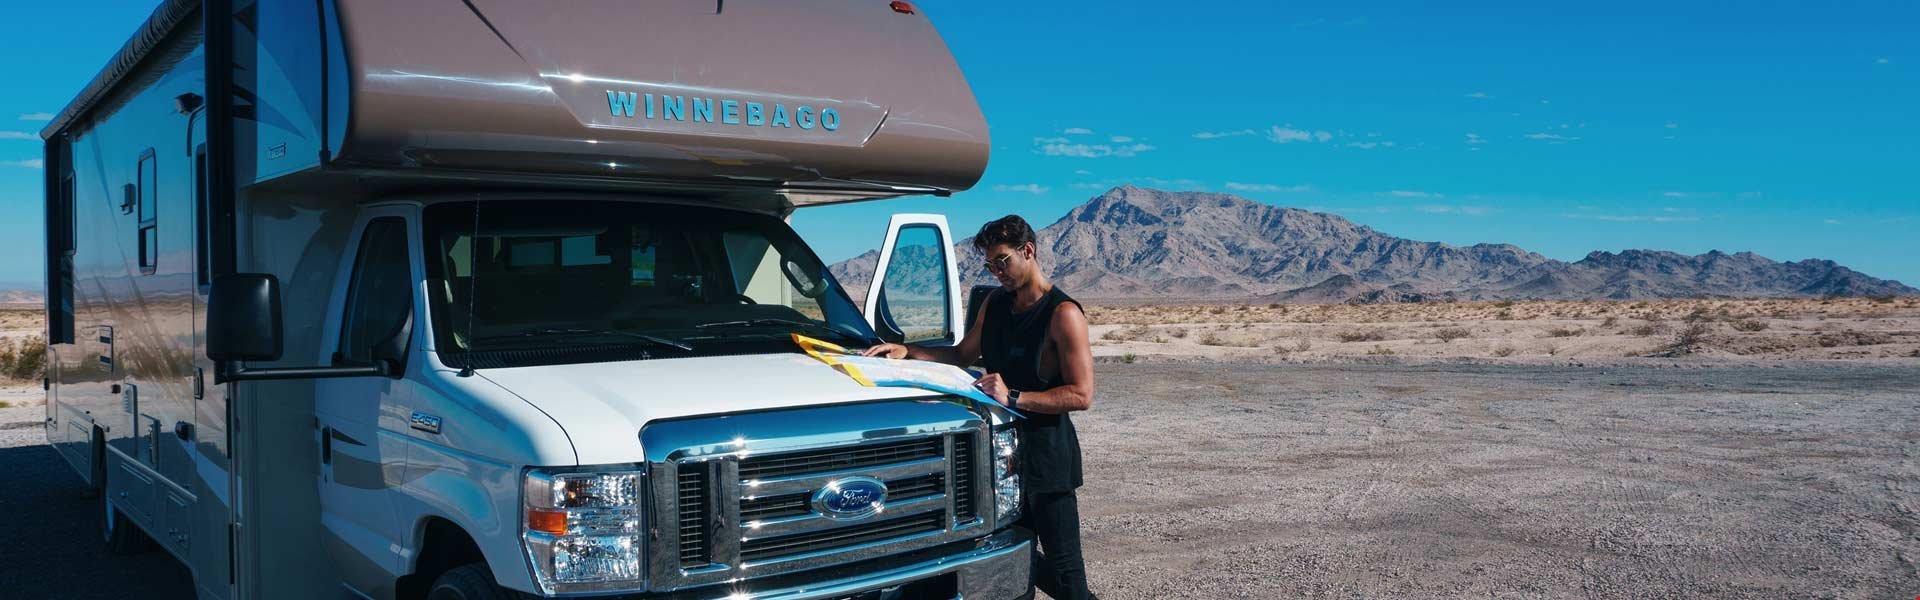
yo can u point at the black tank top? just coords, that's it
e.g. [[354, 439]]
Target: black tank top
[[1011, 344]]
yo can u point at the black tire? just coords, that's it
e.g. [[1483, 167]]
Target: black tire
[[123, 537], [469, 582]]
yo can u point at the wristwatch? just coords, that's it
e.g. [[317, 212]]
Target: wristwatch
[[1013, 398]]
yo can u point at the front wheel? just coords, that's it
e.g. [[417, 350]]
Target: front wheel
[[469, 582]]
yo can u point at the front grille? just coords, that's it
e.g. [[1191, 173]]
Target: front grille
[[839, 537], [963, 478], [838, 459], [694, 491], [793, 505]]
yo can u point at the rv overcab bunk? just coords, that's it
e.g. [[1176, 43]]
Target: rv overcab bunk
[[456, 299]]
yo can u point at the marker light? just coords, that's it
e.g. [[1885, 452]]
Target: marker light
[[902, 7]]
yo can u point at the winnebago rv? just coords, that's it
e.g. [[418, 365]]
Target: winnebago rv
[[469, 299]]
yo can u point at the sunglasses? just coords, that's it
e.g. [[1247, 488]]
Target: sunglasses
[[999, 263]]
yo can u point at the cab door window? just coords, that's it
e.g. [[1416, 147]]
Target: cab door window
[[379, 295]]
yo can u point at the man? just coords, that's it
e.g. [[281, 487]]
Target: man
[[1032, 339]]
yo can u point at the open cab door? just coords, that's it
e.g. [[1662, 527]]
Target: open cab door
[[914, 295]]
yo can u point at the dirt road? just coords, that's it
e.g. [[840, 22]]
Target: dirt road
[[1359, 481]]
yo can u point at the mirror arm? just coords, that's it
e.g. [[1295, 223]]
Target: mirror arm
[[237, 371]]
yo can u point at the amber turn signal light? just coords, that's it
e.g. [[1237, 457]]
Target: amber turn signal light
[[547, 521]]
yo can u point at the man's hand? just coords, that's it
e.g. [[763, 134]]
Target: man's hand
[[893, 351], [993, 385]]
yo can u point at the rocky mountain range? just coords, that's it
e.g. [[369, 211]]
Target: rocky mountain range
[[1141, 243]]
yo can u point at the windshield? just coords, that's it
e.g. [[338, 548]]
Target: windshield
[[552, 282]]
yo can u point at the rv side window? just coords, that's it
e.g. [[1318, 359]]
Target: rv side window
[[146, 188], [378, 296], [203, 248]]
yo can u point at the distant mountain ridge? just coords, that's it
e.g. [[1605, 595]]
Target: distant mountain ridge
[[1134, 242]]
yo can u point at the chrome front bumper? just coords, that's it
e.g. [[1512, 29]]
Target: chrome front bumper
[[995, 568]]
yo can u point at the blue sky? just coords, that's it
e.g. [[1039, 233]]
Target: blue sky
[[1786, 130]]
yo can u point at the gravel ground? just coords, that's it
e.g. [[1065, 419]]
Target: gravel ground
[[1355, 481], [1364, 481]]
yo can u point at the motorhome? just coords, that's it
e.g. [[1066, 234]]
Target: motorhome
[[473, 299]]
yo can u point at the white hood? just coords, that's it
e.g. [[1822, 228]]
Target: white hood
[[602, 406]]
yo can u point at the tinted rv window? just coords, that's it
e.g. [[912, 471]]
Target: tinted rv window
[[377, 297], [546, 282], [147, 189]]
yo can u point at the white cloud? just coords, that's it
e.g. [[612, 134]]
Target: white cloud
[[1266, 187], [31, 163], [1672, 125], [1833, 222], [1631, 218], [1090, 186], [17, 135], [1674, 194], [1208, 135], [1060, 147], [1881, 61], [1552, 137], [1451, 209], [1082, 172], [1414, 194], [1370, 145], [1286, 134], [1545, 101], [1078, 131], [1479, 95], [39, 116], [1120, 139], [1474, 138], [1030, 188]]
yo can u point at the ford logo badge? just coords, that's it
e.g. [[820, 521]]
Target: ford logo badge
[[850, 498]]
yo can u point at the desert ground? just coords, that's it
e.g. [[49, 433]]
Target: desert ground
[[1781, 462], [1562, 332]]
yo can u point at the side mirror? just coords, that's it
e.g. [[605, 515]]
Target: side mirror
[[243, 318], [243, 324]]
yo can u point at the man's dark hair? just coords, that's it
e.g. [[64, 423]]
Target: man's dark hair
[[1010, 230]]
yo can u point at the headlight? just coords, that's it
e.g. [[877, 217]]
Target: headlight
[[583, 529], [1006, 473]]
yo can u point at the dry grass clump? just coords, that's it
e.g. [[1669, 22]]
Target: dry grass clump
[[1449, 334], [1379, 350], [1503, 351], [1749, 325], [1650, 329], [1362, 335], [1565, 332], [23, 359], [1689, 338]]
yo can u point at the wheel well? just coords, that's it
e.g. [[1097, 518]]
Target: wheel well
[[443, 546]]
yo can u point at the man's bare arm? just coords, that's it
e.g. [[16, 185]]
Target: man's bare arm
[[1069, 332]]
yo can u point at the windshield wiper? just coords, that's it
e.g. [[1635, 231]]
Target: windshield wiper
[[772, 321], [653, 339]]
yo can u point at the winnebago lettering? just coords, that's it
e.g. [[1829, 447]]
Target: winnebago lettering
[[731, 112]]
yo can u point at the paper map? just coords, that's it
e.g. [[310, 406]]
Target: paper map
[[885, 372]]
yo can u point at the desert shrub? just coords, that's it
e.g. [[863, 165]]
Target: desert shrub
[[1564, 332], [1217, 310], [1303, 345], [1212, 339], [1282, 349], [1159, 339], [1450, 334], [1362, 335], [23, 358], [1379, 350], [1698, 315], [1649, 329], [1611, 321], [1749, 325], [1503, 304], [1179, 333], [1128, 358], [1503, 351], [1689, 337], [1115, 335], [1274, 305], [1881, 299], [1504, 315]]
